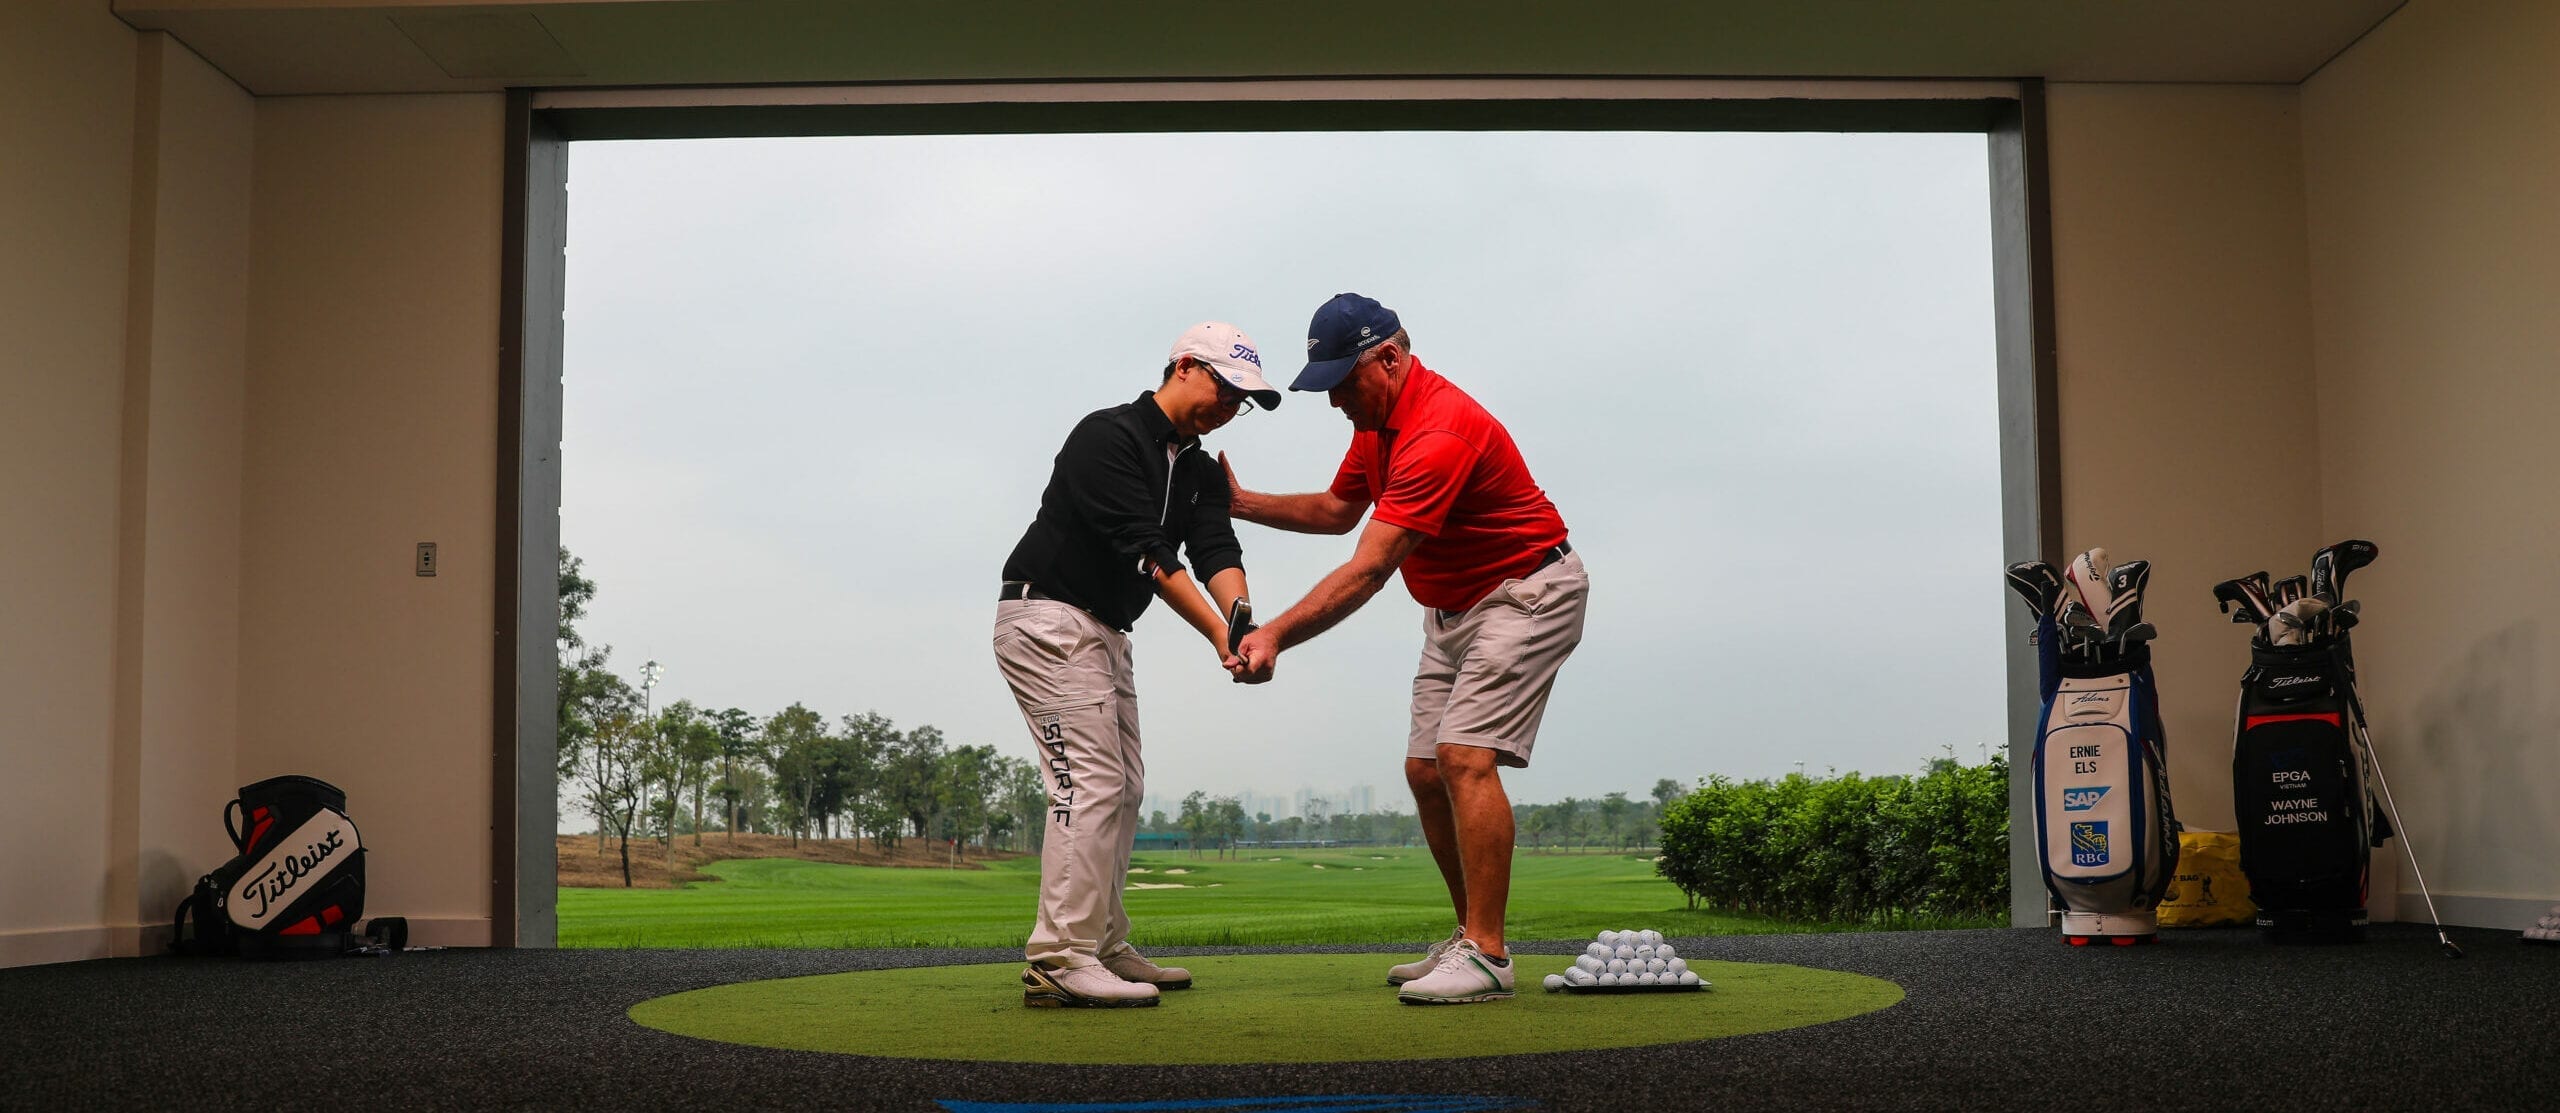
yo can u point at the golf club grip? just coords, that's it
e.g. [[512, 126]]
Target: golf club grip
[[1239, 624]]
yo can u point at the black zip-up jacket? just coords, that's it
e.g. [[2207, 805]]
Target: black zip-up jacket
[[1114, 512]]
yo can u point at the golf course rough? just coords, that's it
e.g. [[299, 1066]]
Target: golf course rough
[[1287, 1008]]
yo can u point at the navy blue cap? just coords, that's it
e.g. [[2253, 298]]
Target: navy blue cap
[[1342, 329]]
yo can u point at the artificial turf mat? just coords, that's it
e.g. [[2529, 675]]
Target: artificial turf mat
[[1284, 1008]]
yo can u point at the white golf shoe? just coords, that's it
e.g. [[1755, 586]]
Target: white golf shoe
[[1087, 986], [1398, 975], [1125, 961], [1463, 976]]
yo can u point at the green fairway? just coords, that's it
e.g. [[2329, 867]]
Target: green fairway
[[1358, 895], [1247, 1009]]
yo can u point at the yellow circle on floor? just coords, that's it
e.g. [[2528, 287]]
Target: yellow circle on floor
[[1290, 1008]]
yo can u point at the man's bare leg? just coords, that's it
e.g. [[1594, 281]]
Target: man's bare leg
[[1431, 806], [1482, 814]]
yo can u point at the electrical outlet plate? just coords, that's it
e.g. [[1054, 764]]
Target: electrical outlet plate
[[426, 558]]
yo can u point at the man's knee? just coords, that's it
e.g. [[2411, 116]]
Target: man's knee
[[1468, 764], [1422, 775]]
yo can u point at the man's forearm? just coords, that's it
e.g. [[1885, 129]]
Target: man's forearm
[[1341, 592], [1314, 512]]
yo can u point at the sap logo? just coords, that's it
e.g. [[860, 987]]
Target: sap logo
[[1247, 354], [2291, 777], [2089, 843], [2083, 799]]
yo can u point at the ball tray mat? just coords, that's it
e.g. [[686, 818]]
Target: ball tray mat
[[1269, 1008]]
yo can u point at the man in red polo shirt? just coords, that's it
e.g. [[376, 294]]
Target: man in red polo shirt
[[1452, 505]]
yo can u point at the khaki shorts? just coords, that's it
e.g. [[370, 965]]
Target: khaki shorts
[[1485, 674]]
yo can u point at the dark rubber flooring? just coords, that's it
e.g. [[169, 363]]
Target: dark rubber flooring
[[1993, 1020]]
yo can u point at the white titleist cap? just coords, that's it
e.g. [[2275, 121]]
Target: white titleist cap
[[1230, 353]]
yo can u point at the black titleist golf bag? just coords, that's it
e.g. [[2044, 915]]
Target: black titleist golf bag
[[296, 889], [2106, 835], [2304, 777], [2307, 820]]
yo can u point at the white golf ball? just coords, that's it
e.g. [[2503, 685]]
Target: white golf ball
[[1625, 951], [1553, 982], [1589, 963], [1647, 979], [1599, 950], [1651, 936], [1608, 979], [1677, 965], [1609, 938], [1689, 977], [1663, 950], [1656, 966], [1644, 950], [1580, 976], [1614, 966]]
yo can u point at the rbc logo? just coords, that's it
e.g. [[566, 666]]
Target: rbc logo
[[2083, 799], [2089, 843]]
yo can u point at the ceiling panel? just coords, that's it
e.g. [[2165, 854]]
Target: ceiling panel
[[275, 47]]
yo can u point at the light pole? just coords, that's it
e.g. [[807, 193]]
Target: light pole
[[649, 674]]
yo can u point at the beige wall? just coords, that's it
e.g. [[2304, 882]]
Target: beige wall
[[2431, 150], [372, 425], [66, 125], [186, 351], [2182, 310]]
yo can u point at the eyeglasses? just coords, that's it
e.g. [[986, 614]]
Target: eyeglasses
[[1228, 394]]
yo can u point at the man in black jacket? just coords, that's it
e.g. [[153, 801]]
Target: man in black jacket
[[1129, 491]]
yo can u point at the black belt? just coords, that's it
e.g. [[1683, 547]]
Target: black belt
[[1554, 553]]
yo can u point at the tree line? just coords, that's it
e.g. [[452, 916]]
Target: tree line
[[658, 774]]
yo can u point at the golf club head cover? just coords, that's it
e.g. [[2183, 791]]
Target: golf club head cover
[[2088, 576]]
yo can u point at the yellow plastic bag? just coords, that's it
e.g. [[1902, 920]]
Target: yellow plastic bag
[[2209, 890]]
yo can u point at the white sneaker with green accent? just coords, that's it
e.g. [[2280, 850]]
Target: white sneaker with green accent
[[1398, 975], [1464, 976]]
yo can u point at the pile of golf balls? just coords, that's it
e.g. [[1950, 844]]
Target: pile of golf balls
[[1622, 959]]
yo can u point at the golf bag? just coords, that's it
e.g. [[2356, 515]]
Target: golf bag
[[2106, 835], [296, 887], [2105, 832], [2298, 782]]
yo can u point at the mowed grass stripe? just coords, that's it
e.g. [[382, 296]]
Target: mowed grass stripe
[[1302, 898]]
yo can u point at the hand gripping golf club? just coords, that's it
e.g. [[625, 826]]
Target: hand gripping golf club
[[2037, 583]]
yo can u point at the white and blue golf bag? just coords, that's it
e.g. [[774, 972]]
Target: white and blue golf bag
[[2106, 835]]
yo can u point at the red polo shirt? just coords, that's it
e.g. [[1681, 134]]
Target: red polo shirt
[[1451, 473]]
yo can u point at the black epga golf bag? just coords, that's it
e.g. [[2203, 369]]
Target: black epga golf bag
[[296, 888], [2307, 820], [2106, 835]]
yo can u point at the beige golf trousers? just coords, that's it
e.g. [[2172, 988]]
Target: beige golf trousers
[[1072, 677]]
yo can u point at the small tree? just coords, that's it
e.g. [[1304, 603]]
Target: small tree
[[1195, 818]]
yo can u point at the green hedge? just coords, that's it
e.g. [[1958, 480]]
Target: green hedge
[[1875, 849]]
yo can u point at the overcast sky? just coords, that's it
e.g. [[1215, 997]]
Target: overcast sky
[[814, 387]]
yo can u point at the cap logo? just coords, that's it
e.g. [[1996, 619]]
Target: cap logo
[[1311, 343], [1364, 330], [1246, 353]]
